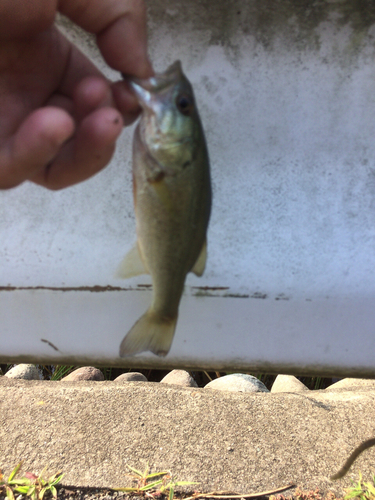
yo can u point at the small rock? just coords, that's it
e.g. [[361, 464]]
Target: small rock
[[237, 382], [352, 383], [179, 377], [288, 383], [84, 373], [23, 371], [131, 377]]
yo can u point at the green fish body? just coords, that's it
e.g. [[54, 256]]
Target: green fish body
[[172, 200]]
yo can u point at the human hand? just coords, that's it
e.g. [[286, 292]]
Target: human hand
[[59, 116]]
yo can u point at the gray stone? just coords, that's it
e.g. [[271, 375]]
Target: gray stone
[[237, 382], [131, 377], [352, 383], [179, 377], [24, 371], [84, 373], [288, 383]]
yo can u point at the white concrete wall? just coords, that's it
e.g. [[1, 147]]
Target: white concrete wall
[[287, 97]]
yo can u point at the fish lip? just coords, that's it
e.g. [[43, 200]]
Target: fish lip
[[144, 96], [144, 87]]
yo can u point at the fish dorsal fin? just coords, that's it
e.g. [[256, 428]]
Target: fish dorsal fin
[[132, 265], [199, 266]]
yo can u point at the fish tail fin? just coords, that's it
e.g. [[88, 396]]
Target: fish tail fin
[[151, 332]]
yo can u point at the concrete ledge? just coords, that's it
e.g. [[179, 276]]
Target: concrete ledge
[[226, 441]]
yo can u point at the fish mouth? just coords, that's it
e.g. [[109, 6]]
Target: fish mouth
[[145, 87]]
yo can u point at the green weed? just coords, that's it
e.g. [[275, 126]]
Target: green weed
[[148, 485], [361, 490], [152, 487], [30, 485], [61, 371]]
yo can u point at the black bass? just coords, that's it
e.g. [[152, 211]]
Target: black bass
[[172, 200]]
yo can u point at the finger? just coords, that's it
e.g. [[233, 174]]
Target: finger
[[94, 91], [77, 68], [124, 45], [126, 102], [120, 26], [89, 151], [91, 93], [20, 19], [61, 101], [36, 143]]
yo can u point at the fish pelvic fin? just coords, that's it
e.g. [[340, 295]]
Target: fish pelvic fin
[[200, 264], [132, 265], [151, 332]]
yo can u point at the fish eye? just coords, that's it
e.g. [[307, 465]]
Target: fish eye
[[184, 104]]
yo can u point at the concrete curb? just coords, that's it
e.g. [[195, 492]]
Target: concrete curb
[[226, 441]]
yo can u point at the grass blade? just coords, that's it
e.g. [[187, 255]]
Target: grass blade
[[56, 478], [31, 492], [149, 486], [14, 472], [22, 489], [61, 371], [22, 482], [139, 473], [53, 491], [371, 488], [171, 493], [41, 493], [184, 483], [9, 493], [156, 474]]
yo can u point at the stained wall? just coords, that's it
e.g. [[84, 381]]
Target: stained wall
[[286, 93]]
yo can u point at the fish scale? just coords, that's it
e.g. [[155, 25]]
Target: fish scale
[[172, 203]]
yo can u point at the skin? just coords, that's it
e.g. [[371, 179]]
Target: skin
[[59, 116]]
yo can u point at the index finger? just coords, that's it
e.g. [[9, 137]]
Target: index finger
[[120, 28]]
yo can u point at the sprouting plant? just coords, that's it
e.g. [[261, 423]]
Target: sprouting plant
[[30, 485], [166, 485], [152, 487], [361, 490], [61, 371]]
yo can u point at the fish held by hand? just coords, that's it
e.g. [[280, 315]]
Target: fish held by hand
[[172, 202]]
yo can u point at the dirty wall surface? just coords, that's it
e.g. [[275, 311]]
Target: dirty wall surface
[[285, 92]]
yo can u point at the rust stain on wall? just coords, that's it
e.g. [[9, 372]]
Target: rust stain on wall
[[211, 287], [95, 288], [201, 291]]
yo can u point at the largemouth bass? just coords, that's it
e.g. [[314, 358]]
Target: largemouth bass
[[172, 201]]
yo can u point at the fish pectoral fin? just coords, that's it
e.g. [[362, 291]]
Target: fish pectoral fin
[[132, 265], [200, 264]]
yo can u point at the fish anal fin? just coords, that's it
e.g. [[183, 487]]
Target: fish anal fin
[[150, 333], [200, 264], [132, 265]]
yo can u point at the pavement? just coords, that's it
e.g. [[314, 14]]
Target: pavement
[[240, 442]]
